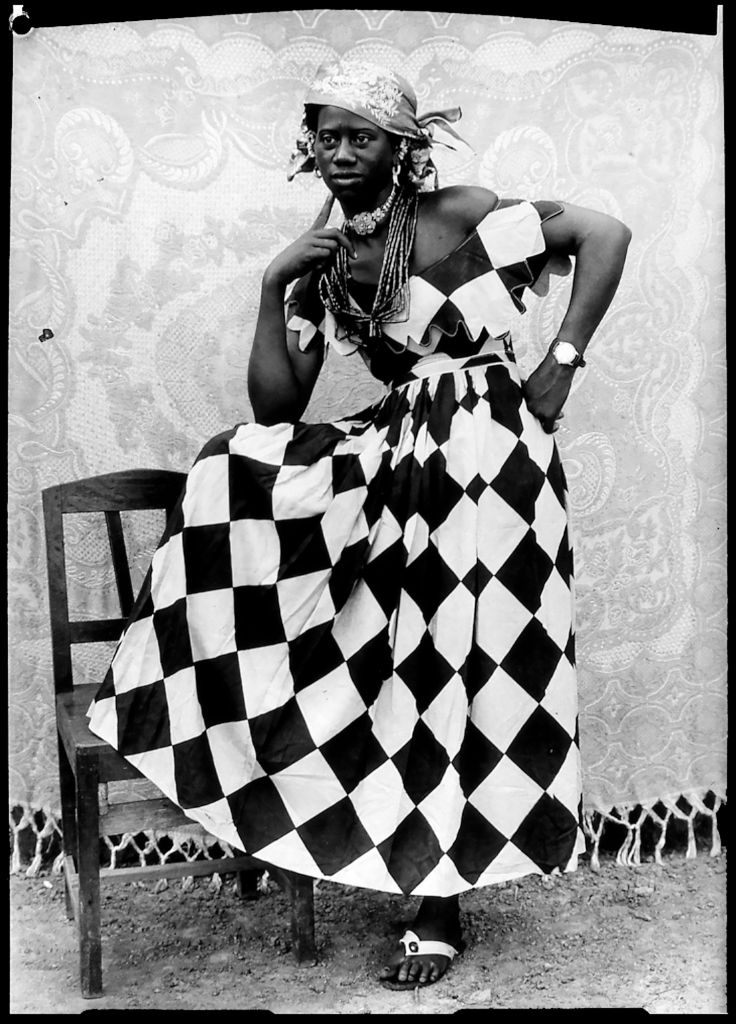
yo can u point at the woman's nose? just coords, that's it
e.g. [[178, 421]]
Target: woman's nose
[[344, 152]]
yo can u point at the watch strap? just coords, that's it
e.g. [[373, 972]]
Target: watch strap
[[577, 361]]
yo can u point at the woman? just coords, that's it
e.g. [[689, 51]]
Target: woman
[[354, 654]]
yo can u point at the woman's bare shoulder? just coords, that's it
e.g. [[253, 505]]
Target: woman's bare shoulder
[[464, 205], [447, 218]]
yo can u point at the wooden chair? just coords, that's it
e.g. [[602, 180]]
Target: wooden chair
[[86, 761]]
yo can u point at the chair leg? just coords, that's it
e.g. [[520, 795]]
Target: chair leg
[[301, 891], [247, 883], [67, 789], [88, 868]]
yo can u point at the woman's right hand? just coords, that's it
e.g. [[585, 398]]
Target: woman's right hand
[[310, 250]]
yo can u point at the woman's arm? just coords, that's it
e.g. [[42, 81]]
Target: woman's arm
[[599, 244], [281, 377]]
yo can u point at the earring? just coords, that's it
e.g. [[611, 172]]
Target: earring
[[310, 140], [399, 161]]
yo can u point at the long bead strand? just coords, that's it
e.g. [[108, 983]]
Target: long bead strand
[[391, 301]]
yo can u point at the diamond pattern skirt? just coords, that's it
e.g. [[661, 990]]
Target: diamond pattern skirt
[[353, 655]]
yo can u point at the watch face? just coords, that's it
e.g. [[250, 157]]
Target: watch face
[[565, 353]]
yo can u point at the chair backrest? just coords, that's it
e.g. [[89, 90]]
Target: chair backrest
[[111, 493]]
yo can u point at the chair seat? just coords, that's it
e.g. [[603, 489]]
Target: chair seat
[[80, 743], [150, 812], [75, 705]]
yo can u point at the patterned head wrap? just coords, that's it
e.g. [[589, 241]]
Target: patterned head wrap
[[385, 99]]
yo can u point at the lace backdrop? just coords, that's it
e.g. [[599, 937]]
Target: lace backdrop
[[148, 195]]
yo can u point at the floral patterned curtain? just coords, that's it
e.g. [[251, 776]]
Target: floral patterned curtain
[[149, 193]]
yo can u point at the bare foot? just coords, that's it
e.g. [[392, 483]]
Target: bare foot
[[438, 920]]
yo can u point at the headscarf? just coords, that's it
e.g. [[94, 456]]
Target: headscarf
[[385, 99]]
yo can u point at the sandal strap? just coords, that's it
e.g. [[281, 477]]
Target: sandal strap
[[414, 946]]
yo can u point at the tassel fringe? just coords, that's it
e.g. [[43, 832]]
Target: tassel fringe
[[634, 816], [36, 839]]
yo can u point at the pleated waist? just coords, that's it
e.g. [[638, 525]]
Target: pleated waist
[[495, 351]]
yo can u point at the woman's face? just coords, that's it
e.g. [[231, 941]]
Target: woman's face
[[354, 156]]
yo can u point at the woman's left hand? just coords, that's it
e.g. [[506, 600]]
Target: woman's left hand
[[546, 391]]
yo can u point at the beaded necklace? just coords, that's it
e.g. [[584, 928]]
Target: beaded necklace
[[392, 297], [366, 223]]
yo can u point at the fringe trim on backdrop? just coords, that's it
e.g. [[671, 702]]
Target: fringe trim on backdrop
[[27, 823], [633, 817], [148, 847]]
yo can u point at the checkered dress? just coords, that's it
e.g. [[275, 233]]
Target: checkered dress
[[353, 656]]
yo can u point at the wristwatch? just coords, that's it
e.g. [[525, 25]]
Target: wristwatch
[[566, 354]]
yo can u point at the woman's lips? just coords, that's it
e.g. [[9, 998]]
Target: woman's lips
[[346, 178]]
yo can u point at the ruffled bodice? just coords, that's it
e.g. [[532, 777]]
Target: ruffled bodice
[[455, 306]]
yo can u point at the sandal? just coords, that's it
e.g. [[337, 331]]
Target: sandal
[[414, 946]]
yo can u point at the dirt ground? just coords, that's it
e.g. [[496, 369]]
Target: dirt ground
[[652, 936]]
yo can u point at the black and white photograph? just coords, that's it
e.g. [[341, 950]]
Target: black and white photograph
[[367, 512]]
